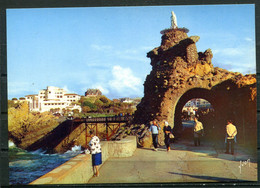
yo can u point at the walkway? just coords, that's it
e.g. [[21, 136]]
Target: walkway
[[184, 163]]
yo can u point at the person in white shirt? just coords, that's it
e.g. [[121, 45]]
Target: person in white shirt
[[231, 131], [95, 149], [198, 131]]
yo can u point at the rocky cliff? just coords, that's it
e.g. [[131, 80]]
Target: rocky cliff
[[180, 73]]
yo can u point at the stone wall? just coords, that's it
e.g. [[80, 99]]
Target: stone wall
[[79, 169]]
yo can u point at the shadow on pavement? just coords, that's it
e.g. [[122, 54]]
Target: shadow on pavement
[[216, 150], [219, 179]]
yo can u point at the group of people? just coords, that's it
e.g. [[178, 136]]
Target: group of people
[[155, 127], [95, 147], [230, 139], [198, 132]]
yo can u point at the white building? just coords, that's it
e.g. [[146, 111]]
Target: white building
[[53, 98], [126, 100], [200, 103]]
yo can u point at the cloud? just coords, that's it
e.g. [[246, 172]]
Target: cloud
[[124, 82], [67, 90], [147, 48], [97, 65], [248, 39], [243, 68], [101, 47], [20, 89], [132, 57], [136, 54], [228, 51], [117, 82], [242, 64], [238, 59], [101, 88]]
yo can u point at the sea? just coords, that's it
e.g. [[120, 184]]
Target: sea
[[25, 167]]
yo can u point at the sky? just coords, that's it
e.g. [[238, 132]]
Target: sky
[[105, 47]]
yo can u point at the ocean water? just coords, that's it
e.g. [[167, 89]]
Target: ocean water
[[25, 167]]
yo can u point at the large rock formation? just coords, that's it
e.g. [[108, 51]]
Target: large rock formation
[[179, 73]]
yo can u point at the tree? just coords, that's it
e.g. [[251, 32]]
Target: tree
[[75, 111], [12, 103], [92, 106], [98, 103], [104, 99], [86, 109]]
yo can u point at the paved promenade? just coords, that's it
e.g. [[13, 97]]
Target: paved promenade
[[184, 163]]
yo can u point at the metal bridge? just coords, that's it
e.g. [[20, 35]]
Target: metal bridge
[[61, 134], [112, 124]]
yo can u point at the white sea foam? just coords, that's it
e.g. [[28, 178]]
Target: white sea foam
[[35, 164], [11, 144], [74, 150], [38, 152]]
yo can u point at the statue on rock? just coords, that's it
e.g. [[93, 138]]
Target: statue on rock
[[174, 21], [174, 25]]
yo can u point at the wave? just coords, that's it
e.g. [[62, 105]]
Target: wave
[[11, 144], [38, 152], [35, 164], [75, 150]]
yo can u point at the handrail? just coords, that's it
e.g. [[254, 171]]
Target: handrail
[[114, 119]]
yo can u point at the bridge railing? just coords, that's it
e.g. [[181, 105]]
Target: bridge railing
[[112, 124], [104, 119]]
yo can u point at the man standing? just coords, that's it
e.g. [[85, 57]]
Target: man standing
[[230, 137], [154, 128], [198, 131]]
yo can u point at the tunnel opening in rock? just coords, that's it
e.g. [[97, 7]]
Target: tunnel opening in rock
[[197, 102], [203, 110]]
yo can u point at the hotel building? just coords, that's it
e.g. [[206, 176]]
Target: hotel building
[[53, 98]]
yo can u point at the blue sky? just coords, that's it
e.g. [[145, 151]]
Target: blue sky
[[106, 47]]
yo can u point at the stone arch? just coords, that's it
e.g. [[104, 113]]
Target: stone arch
[[190, 94]]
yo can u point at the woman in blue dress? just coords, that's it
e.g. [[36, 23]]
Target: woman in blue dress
[[95, 150]]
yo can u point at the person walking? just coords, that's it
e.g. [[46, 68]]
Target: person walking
[[95, 149], [231, 131], [167, 131], [198, 131], [154, 128]]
